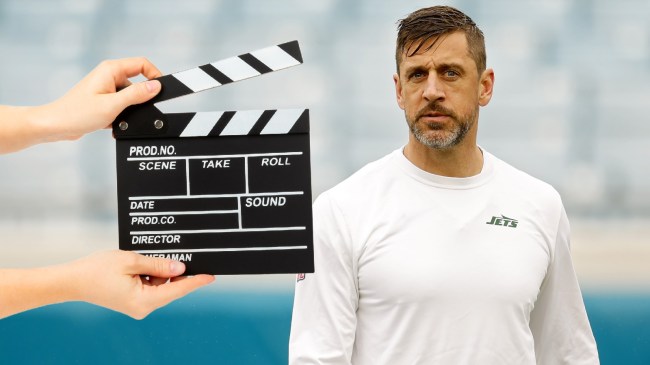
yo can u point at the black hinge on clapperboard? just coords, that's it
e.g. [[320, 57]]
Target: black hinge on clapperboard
[[226, 192]]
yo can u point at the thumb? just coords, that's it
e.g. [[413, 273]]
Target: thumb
[[138, 93], [158, 267]]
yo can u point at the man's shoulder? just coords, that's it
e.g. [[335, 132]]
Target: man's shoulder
[[362, 181], [519, 180]]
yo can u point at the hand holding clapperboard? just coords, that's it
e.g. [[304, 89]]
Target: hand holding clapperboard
[[226, 192]]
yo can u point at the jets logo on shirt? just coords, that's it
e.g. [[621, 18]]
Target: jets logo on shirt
[[503, 221]]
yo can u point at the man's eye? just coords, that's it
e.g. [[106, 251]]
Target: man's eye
[[451, 74], [417, 75]]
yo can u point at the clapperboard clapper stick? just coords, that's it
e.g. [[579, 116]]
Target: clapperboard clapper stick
[[226, 192]]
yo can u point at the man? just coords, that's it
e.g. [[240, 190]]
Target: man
[[123, 281], [440, 253]]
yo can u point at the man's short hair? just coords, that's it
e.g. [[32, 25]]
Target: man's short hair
[[430, 23]]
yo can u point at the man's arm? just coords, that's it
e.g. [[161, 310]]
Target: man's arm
[[325, 303], [559, 320], [110, 279]]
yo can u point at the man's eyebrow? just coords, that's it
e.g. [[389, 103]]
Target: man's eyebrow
[[441, 66], [450, 65], [410, 69]]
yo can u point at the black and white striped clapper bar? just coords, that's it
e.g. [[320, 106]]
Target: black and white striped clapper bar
[[226, 192]]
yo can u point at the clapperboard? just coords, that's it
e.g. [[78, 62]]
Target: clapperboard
[[225, 192]]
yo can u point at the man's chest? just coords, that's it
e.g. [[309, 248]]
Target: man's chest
[[486, 253]]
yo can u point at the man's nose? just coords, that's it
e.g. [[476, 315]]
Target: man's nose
[[433, 89]]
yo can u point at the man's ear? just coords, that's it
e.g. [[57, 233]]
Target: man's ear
[[486, 87], [398, 91]]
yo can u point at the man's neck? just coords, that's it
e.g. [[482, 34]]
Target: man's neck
[[462, 160]]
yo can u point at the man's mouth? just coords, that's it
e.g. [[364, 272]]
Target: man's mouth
[[433, 116]]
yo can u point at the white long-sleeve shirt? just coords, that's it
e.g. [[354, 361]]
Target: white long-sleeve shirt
[[415, 268]]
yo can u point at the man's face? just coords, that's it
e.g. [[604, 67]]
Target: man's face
[[440, 92]]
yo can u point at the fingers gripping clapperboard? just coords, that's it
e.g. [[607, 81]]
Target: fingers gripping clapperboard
[[225, 192]]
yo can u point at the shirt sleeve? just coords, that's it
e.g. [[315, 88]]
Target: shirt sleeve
[[324, 320], [559, 320]]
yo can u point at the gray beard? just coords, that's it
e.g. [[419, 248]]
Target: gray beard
[[443, 141]]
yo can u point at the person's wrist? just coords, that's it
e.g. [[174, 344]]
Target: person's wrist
[[49, 285], [25, 126], [69, 280], [39, 123]]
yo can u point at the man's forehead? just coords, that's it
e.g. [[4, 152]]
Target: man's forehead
[[445, 46]]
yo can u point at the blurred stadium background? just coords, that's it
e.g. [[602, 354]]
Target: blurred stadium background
[[570, 107]]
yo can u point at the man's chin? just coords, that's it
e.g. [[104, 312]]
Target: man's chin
[[432, 126], [438, 141]]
